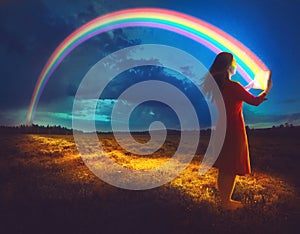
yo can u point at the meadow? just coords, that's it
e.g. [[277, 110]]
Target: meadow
[[45, 187]]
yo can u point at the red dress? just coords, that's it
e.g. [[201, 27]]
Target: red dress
[[234, 156]]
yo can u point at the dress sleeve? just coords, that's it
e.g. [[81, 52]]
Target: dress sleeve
[[243, 95]]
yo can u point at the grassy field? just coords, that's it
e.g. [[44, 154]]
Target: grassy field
[[45, 187]]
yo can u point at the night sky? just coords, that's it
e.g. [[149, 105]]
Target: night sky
[[31, 30]]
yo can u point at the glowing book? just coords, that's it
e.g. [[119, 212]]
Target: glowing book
[[261, 80]]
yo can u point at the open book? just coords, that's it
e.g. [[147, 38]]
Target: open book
[[261, 80]]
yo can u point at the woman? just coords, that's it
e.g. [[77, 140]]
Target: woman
[[234, 156]]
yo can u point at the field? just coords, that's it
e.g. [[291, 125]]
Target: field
[[45, 187]]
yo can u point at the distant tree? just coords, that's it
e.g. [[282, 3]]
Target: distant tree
[[247, 128]]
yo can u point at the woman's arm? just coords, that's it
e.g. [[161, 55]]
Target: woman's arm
[[243, 95]]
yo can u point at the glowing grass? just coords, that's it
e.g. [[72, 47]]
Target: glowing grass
[[46, 174], [255, 189]]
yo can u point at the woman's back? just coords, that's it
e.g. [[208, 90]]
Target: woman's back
[[234, 156]]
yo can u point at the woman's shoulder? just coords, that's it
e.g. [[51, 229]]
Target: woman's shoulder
[[234, 89], [234, 84]]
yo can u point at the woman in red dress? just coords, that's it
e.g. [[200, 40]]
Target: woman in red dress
[[234, 156]]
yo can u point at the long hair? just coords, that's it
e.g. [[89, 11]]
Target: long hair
[[219, 72]]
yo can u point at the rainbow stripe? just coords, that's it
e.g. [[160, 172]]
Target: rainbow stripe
[[208, 35]]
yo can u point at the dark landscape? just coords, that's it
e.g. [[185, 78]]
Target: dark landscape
[[45, 187]]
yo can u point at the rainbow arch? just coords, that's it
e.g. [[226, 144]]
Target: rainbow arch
[[249, 65]]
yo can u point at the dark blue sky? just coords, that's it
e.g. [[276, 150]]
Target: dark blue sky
[[31, 30]]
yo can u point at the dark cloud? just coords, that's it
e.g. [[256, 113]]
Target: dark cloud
[[66, 79], [27, 38], [289, 101], [30, 31], [11, 42]]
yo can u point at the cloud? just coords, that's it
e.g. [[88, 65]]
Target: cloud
[[270, 120], [187, 71], [11, 42], [12, 117], [289, 101], [25, 49]]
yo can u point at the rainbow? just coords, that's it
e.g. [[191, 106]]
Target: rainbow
[[249, 65]]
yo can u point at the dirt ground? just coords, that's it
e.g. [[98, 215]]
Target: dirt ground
[[45, 187]]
